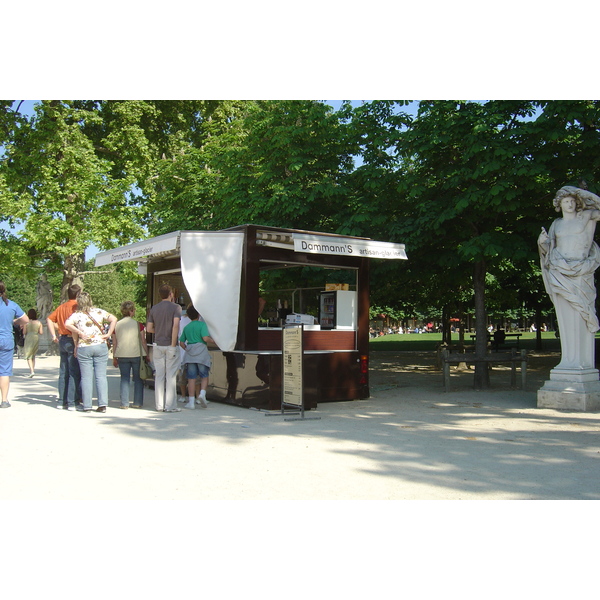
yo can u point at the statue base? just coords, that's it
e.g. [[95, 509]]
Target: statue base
[[47, 346], [571, 389]]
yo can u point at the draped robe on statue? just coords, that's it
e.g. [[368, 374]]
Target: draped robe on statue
[[570, 285]]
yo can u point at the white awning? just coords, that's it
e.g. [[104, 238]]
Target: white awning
[[163, 244]]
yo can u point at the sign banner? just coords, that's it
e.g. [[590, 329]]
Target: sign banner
[[291, 388], [343, 246], [162, 243]]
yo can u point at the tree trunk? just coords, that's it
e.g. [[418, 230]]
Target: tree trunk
[[74, 266], [482, 376]]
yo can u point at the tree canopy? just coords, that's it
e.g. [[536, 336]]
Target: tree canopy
[[465, 185]]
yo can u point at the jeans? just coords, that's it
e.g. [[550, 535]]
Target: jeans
[[131, 365], [69, 376], [166, 361], [92, 363]]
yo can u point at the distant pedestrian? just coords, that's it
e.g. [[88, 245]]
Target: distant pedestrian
[[10, 314], [19, 340], [32, 332]]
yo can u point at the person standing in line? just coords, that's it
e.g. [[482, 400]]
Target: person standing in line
[[194, 340], [69, 375], [10, 313], [91, 349], [129, 344], [163, 322], [32, 332], [182, 372]]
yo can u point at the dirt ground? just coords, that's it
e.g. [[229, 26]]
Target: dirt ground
[[410, 440], [405, 369]]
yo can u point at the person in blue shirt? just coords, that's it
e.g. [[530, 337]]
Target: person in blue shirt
[[10, 314], [194, 340]]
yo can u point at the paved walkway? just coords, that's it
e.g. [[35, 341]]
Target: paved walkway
[[409, 441]]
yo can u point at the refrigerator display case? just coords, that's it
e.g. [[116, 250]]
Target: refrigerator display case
[[338, 310]]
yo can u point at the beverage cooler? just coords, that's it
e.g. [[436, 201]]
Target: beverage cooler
[[338, 310]]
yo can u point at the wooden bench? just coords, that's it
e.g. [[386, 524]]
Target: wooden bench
[[469, 358], [496, 345]]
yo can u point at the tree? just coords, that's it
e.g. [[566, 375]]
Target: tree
[[83, 172], [269, 162], [112, 285], [185, 191], [61, 191], [480, 175]]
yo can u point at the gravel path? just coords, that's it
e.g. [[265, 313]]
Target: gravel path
[[411, 440]]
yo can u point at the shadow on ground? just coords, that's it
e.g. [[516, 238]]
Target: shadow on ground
[[410, 435]]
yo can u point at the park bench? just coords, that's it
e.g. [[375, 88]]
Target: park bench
[[468, 358], [498, 343]]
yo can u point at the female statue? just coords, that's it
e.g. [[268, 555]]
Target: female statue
[[569, 256]]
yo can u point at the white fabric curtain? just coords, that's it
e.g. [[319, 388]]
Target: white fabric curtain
[[211, 267]]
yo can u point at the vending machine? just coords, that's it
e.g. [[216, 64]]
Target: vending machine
[[338, 310]]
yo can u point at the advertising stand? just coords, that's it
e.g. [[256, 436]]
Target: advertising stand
[[233, 278], [292, 376]]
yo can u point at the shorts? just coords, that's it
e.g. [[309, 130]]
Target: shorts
[[195, 370], [6, 357]]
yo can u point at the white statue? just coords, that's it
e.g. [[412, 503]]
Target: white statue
[[569, 257]]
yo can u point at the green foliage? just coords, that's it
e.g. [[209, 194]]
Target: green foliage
[[82, 172], [271, 163], [22, 288], [465, 185], [429, 342], [111, 285]]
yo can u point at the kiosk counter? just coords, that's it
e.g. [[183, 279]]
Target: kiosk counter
[[247, 282]]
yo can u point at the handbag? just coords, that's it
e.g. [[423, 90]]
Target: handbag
[[145, 368]]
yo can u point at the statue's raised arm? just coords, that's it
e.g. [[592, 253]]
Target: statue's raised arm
[[588, 200]]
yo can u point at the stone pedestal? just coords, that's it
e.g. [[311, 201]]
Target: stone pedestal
[[47, 346], [571, 389]]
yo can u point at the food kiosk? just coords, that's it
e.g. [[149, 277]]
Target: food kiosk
[[248, 282]]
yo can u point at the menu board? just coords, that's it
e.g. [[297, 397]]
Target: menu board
[[292, 365]]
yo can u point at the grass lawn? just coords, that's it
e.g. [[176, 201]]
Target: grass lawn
[[422, 342]]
